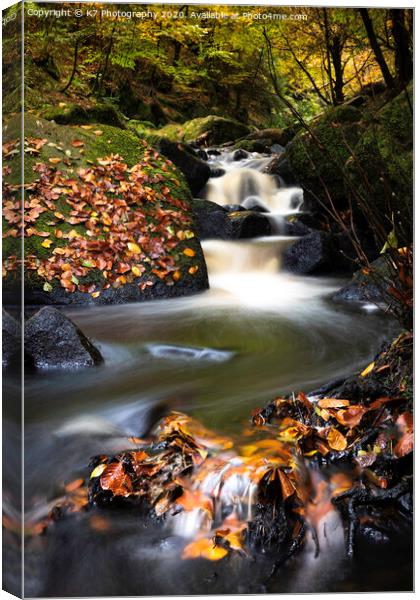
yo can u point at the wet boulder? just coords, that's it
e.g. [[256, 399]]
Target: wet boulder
[[217, 172], [234, 207], [313, 253], [252, 146], [212, 220], [274, 135], [195, 171], [300, 224], [248, 224], [11, 340], [280, 167], [240, 154], [367, 285], [53, 341]]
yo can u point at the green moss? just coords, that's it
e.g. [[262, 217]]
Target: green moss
[[218, 129], [382, 168], [74, 114], [320, 158], [112, 140]]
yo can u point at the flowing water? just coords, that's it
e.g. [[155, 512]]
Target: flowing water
[[257, 332]]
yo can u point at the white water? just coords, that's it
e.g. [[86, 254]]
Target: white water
[[244, 183]]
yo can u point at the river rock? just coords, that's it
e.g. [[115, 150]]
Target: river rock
[[11, 340], [302, 223], [240, 154], [212, 220], [248, 224], [313, 253], [253, 146], [213, 130], [274, 135], [234, 207], [193, 168], [367, 286], [280, 167], [217, 172], [53, 341]]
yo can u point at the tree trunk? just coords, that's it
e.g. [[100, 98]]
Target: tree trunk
[[338, 70], [73, 73], [403, 55], [373, 40]]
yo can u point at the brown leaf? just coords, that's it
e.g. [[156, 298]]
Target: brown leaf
[[287, 487], [116, 480], [405, 445]]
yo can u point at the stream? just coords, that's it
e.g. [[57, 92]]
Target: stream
[[256, 333]]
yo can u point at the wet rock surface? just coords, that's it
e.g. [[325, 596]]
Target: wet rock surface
[[11, 341], [54, 342]]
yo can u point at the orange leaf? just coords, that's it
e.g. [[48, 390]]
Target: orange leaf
[[189, 252], [74, 485], [332, 403], [351, 417], [336, 440], [204, 548], [405, 445]]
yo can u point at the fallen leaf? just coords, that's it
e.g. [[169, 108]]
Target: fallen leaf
[[74, 485], [98, 471], [336, 440], [405, 445], [368, 369], [134, 247], [350, 417], [333, 403], [204, 548]]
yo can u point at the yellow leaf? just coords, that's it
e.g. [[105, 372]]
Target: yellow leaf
[[46, 243], [193, 270], [136, 271], [98, 471], [368, 369], [134, 247], [95, 294], [86, 126], [54, 161], [176, 276], [98, 132]]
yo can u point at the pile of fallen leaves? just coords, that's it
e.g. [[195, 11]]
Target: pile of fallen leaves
[[104, 226]]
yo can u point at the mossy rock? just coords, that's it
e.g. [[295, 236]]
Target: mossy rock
[[320, 158], [74, 114], [260, 146], [69, 154], [207, 131], [275, 136], [381, 170]]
